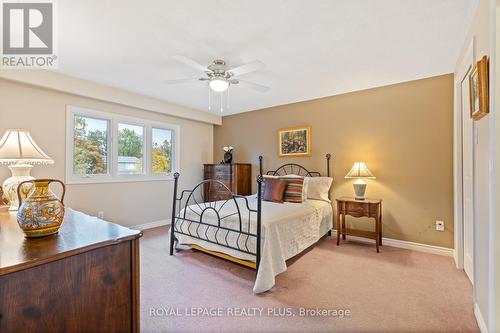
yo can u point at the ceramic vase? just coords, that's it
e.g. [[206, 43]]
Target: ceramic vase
[[228, 158], [41, 213]]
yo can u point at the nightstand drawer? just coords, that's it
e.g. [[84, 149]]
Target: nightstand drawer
[[358, 209], [355, 207]]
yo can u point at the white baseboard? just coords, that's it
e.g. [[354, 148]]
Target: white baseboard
[[149, 225], [443, 251], [480, 320]]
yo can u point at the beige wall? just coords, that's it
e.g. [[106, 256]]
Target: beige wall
[[76, 86], [403, 132], [43, 112]]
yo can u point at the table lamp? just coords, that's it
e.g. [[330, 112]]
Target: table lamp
[[20, 153], [359, 171]]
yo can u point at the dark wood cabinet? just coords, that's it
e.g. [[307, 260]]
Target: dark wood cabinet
[[83, 279], [237, 177]]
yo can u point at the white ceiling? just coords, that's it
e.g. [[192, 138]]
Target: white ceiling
[[311, 49]]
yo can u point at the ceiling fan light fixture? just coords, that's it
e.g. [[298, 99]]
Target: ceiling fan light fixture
[[218, 84]]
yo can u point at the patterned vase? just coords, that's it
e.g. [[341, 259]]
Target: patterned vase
[[228, 158], [42, 213]]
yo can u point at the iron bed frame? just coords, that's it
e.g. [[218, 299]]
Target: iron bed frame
[[189, 199]]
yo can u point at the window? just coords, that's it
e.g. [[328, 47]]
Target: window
[[161, 154], [130, 149], [90, 146], [105, 147]]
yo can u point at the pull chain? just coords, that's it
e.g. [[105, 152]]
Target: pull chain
[[221, 105], [209, 99]]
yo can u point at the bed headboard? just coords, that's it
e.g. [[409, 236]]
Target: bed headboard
[[295, 169]]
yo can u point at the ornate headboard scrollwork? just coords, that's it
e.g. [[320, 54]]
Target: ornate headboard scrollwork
[[295, 169]]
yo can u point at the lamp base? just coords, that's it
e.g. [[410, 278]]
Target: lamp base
[[359, 189], [20, 173]]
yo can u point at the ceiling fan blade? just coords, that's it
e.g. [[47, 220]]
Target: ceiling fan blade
[[247, 68], [191, 79], [255, 86], [190, 62]]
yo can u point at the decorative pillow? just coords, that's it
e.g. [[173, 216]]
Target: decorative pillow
[[263, 187], [294, 187], [304, 188], [274, 190], [318, 188]]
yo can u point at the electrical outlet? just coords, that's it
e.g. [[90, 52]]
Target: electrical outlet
[[439, 225], [100, 215]]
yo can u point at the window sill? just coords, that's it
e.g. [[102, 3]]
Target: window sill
[[124, 179]]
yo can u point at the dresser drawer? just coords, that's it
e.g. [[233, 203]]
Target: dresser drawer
[[216, 191], [220, 177], [218, 195], [214, 186], [222, 168], [212, 174]]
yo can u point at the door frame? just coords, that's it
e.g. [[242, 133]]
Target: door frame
[[463, 69]]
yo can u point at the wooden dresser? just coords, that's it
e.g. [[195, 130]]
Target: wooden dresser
[[237, 177], [83, 279]]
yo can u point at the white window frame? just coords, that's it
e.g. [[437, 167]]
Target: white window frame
[[113, 120]]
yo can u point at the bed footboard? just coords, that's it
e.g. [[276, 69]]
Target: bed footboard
[[195, 217]]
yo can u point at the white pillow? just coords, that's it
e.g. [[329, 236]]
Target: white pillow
[[305, 188], [318, 187]]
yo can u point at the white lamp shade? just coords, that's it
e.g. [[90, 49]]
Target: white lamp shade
[[359, 170], [218, 85], [17, 146]]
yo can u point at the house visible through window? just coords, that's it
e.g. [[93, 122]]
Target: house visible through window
[[105, 147], [130, 149]]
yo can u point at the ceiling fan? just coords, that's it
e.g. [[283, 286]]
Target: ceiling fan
[[220, 77]]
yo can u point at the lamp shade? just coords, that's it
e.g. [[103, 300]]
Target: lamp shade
[[218, 85], [17, 146], [359, 170]]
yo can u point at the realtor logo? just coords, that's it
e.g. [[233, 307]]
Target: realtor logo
[[28, 35]]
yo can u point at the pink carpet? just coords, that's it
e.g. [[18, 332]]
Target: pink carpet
[[396, 290]]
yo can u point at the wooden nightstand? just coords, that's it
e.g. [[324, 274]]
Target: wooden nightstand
[[360, 208]]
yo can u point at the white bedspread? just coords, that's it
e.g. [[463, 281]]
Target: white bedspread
[[287, 230]]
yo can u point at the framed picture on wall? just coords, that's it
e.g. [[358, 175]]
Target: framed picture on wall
[[294, 141], [478, 88]]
